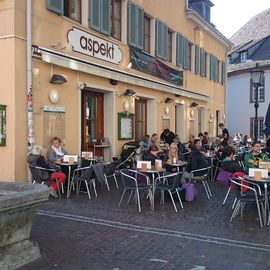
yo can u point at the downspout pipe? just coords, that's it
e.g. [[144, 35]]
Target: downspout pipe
[[30, 120]]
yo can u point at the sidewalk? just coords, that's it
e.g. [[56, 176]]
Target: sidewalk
[[78, 233]]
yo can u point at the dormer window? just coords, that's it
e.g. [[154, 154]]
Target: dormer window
[[243, 57]]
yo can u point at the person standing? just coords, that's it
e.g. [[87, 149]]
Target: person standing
[[225, 132], [167, 136]]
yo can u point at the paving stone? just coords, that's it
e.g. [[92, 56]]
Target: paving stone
[[79, 233]]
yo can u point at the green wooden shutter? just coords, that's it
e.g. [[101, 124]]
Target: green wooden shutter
[[202, 62], [223, 73], [140, 27], [211, 67], [135, 25], [161, 40], [180, 51], [56, 6], [105, 22], [197, 60], [95, 14], [185, 54]]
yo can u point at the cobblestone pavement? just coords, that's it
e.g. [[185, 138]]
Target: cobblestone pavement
[[78, 233]]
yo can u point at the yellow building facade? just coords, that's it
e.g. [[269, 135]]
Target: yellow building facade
[[104, 73]]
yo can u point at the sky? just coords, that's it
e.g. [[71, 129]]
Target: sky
[[230, 15]]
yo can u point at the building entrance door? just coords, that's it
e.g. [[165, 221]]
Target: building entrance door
[[92, 120]]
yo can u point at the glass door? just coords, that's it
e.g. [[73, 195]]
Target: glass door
[[92, 120], [140, 119]]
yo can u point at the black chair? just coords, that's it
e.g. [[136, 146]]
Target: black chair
[[109, 172], [42, 176], [135, 181], [169, 183], [251, 195], [202, 175], [83, 175]]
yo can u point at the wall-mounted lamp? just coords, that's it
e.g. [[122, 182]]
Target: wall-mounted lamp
[[129, 66], [191, 114], [129, 92], [211, 116], [54, 96], [126, 105], [168, 100], [194, 104], [167, 110], [58, 78], [113, 82]]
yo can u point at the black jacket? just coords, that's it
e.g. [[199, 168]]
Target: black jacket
[[231, 166], [197, 161]]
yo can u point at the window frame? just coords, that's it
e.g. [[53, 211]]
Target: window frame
[[243, 56], [260, 126], [67, 12], [261, 92]]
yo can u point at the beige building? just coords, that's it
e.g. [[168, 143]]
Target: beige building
[[93, 71]]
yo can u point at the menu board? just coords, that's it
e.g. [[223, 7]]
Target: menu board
[[125, 126], [53, 125]]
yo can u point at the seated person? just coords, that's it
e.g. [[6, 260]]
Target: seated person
[[154, 139], [229, 164], [172, 154], [167, 136], [197, 161], [56, 152], [151, 154], [253, 158], [144, 144], [172, 157], [181, 148], [36, 158]]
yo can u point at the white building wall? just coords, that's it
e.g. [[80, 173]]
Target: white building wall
[[239, 108]]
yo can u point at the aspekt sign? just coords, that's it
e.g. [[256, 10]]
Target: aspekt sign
[[88, 44]]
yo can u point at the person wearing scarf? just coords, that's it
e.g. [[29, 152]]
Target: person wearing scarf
[[56, 152]]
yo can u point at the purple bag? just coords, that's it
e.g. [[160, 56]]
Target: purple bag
[[191, 191], [223, 176]]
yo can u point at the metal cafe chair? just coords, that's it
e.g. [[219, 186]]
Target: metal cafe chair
[[135, 181], [109, 172], [42, 176], [202, 175], [83, 175], [251, 195], [169, 183]]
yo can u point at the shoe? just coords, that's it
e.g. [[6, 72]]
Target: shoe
[[53, 193]]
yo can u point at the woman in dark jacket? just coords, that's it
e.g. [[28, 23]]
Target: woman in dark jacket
[[37, 159], [151, 154]]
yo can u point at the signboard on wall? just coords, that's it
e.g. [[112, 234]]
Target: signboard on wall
[[53, 124], [89, 44]]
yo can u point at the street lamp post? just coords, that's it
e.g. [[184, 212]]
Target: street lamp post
[[256, 79]]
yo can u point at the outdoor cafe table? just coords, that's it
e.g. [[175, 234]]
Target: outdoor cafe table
[[177, 165], [154, 174], [265, 182], [70, 167]]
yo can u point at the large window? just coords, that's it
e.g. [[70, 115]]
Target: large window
[[261, 92], [161, 40], [135, 25], [147, 31], [68, 8], [260, 127], [72, 9], [116, 19]]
